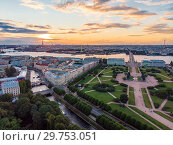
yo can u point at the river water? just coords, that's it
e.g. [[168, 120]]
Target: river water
[[138, 58]]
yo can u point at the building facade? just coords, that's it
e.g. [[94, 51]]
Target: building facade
[[115, 61], [11, 87], [153, 63]]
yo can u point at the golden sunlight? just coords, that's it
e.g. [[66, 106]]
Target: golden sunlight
[[44, 36]]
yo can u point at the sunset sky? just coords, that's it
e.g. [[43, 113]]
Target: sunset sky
[[85, 22]]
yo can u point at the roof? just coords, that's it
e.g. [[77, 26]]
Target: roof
[[10, 84]]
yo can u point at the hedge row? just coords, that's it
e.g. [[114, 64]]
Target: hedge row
[[108, 123], [84, 107], [80, 105], [59, 91], [94, 101], [130, 120], [77, 79]]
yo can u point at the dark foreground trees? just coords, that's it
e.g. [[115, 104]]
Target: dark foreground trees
[[33, 112]]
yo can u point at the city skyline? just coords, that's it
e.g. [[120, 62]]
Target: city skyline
[[92, 22]]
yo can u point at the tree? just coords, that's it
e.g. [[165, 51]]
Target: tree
[[10, 71], [50, 118], [3, 113], [28, 84], [23, 87], [6, 98], [50, 86], [37, 120], [10, 124], [24, 110], [124, 98], [44, 109], [171, 63]]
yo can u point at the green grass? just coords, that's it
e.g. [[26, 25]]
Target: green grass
[[139, 79], [159, 124], [164, 116], [168, 85], [131, 96], [108, 74], [105, 78], [156, 100], [146, 98], [105, 97], [117, 94], [168, 106], [107, 70], [95, 80], [130, 69], [130, 113], [137, 70], [86, 80], [131, 78], [162, 77], [131, 89]]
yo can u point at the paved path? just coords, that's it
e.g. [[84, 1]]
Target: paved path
[[112, 95], [107, 76], [137, 85], [93, 78], [167, 81], [107, 72], [164, 76], [90, 91], [151, 101], [163, 104], [99, 80]]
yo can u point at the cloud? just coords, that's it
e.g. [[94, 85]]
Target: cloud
[[93, 28], [167, 19], [159, 28], [150, 2], [140, 14], [38, 26], [107, 26], [10, 28], [32, 4], [137, 35], [92, 5]]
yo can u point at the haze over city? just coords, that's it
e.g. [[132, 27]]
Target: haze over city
[[86, 22]]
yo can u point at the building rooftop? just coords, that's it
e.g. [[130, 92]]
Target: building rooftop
[[10, 84]]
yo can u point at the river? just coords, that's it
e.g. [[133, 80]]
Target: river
[[138, 58]]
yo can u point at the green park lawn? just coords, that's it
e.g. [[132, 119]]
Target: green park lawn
[[118, 91], [146, 98], [164, 116], [159, 124], [109, 69], [95, 80], [131, 96], [108, 73], [130, 113], [130, 69], [102, 96], [86, 80], [139, 79], [137, 70], [157, 101], [168, 106], [105, 78]]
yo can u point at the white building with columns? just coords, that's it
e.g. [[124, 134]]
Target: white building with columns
[[11, 87]]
